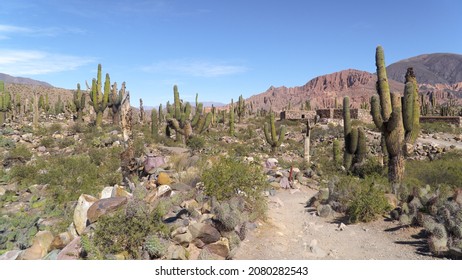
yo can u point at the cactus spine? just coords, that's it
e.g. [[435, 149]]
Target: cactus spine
[[274, 137], [99, 100], [386, 112], [79, 103]]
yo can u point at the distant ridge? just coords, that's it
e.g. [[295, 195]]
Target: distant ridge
[[23, 81]]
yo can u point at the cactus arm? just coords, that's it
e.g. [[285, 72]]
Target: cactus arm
[[408, 107], [282, 134], [375, 112], [352, 140], [383, 88], [267, 134]]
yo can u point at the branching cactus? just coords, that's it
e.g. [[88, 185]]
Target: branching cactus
[[274, 137], [386, 112], [181, 122], [99, 100], [355, 139]]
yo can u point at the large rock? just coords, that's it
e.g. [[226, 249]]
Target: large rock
[[181, 187], [40, 246], [183, 239], [71, 251], [11, 255], [176, 252], [220, 248], [163, 179], [151, 163], [106, 192], [61, 240], [104, 206], [271, 163], [164, 191], [119, 191], [205, 232], [80, 212]]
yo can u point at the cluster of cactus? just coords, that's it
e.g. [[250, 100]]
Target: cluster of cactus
[[274, 137], [5, 103], [154, 123], [427, 107], [441, 216], [449, 109], [44, 103], [396, 122], [178, 118], [59, 106], [155, 246], [355, 139], [99, 99]]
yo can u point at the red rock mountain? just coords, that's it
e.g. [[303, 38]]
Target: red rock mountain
[[322, 91]]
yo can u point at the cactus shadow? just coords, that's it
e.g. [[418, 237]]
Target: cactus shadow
[[419, 243]]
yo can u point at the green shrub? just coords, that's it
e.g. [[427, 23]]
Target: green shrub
[[367, 202], [195, 143], [445, 170], [230, 177], [20, 151], [6, 143], [440, 127], [127, 229], [66, 142], [47, 142]]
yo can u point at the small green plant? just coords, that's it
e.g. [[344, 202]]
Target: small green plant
[[195, 143], [367, 203], [229, 177], [21, 152]]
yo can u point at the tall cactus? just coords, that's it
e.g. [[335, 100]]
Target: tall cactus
[[355, 139], [79, 103], [386, 112], [115, 102], [161, 114], [241, 108], [231, 118], [411, 109], [5, 103], [154, 123], [274, 137], [99, 100]]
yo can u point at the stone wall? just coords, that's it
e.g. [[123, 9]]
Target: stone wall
[[446, 119], [361, 114], [297, 115]]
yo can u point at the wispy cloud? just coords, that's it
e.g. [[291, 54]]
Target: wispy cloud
[[196, 68], [6, 31], [31, 62]]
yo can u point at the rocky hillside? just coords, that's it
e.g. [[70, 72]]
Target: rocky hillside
[[322, 91], [20, 80], [437, 68]]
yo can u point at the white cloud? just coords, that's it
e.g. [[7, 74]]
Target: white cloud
[[6, 31], [196, 68], [31, 62]]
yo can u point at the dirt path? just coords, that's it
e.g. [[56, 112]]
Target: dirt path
[[293, 233]]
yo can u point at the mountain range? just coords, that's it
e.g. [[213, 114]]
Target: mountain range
[[438, 73]]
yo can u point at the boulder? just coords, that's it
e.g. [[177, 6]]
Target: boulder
[[163, 179], [151, 163], [53, 255], [11, 255], [104, 206], [164, 191], [183, 239], [106, 192], [80, 212], [284, 183], [176, 252], [71, 251], [205, 232], [324, 211], [220, 248], [119, 191], [72, 231], [61, 240], [190, 204], [41, 244], [181, 187]]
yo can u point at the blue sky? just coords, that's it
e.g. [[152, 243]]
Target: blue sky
[[219, 49]]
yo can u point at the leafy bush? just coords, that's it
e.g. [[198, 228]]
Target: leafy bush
[[127, 229], [367, 202], [47, 142], [6, 142], [230, 177], [20, 151], [195, 143]]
